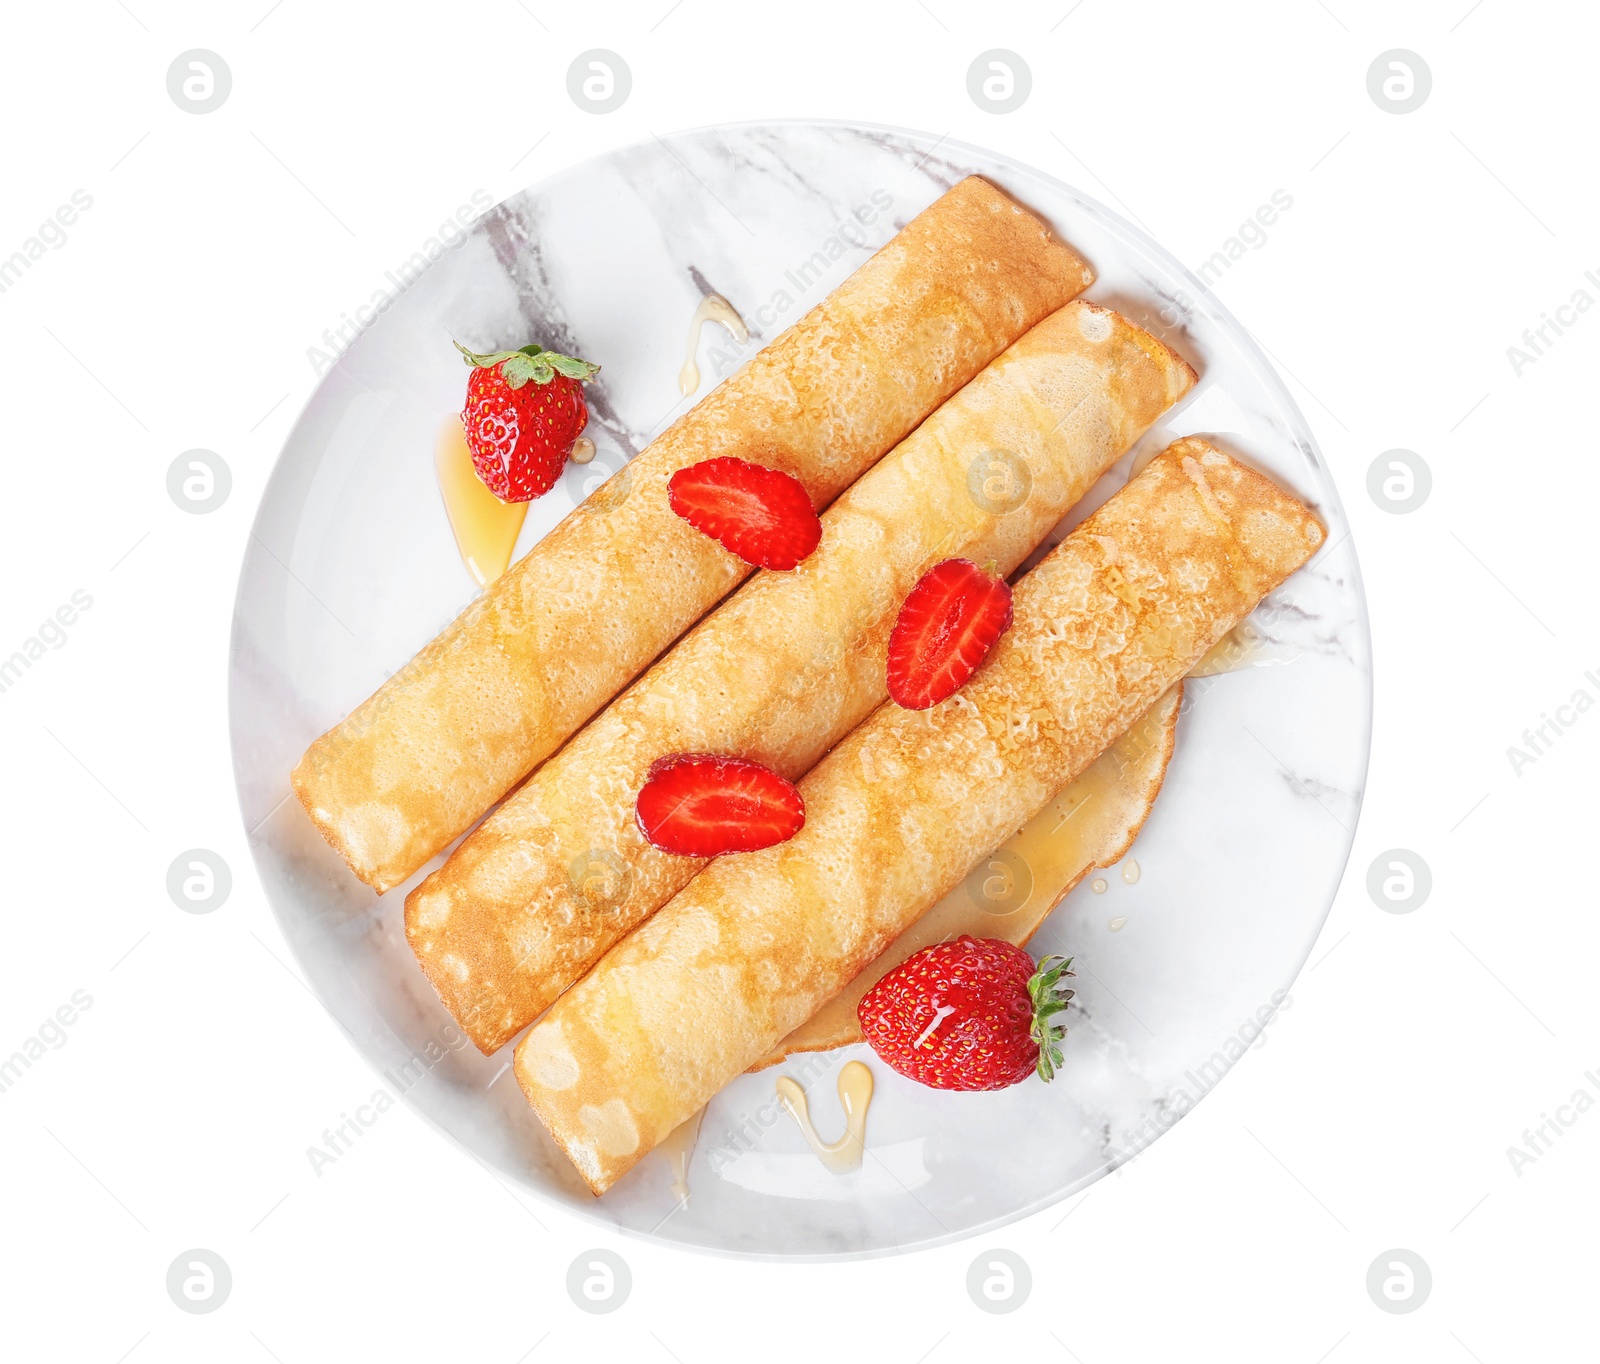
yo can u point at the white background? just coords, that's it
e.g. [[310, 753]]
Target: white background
[[177, 314]]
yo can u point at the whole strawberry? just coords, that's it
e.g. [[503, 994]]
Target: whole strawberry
[[524, 410], [970, 1014]]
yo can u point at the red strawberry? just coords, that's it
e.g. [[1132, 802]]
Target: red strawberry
[[524, 410], [970, 1014], [946, 627], [762, 515], [700, 805]]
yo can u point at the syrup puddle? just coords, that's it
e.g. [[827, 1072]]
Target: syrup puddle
[[1098, 885], [855, 1094], [1131, 871], [713, 308], [485, 528], [582, 450], [678, 1148]]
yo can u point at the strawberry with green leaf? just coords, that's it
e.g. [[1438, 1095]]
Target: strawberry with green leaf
[[975, 1013], [524, 410]]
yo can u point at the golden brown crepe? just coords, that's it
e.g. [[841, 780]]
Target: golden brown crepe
[[614, 584], [1091, 823], [783, 670], [901, 810]]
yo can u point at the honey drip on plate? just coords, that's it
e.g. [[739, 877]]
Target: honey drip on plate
[[1098, 885], [855, 1094], [1131, 871], [582, 450], [678, 1148], [713, 308], [485, 528]]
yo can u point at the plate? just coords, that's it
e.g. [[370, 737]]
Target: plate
[[352, 568]]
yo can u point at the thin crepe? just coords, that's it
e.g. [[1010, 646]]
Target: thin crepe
[[784, 669], [1090, 824], [901, 810], [614, 584]]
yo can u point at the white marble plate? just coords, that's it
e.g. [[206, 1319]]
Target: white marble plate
[[352, 568]]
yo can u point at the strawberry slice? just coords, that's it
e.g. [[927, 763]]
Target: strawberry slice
[[945, 628], [762, 515], [701, 805]]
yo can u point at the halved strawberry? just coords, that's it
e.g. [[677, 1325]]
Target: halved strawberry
[[946, 627], [762, 515], [701, 805]]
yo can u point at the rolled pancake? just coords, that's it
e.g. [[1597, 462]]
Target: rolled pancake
[[784, 669], [1091, 823], [901, 810], [597, 599]]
